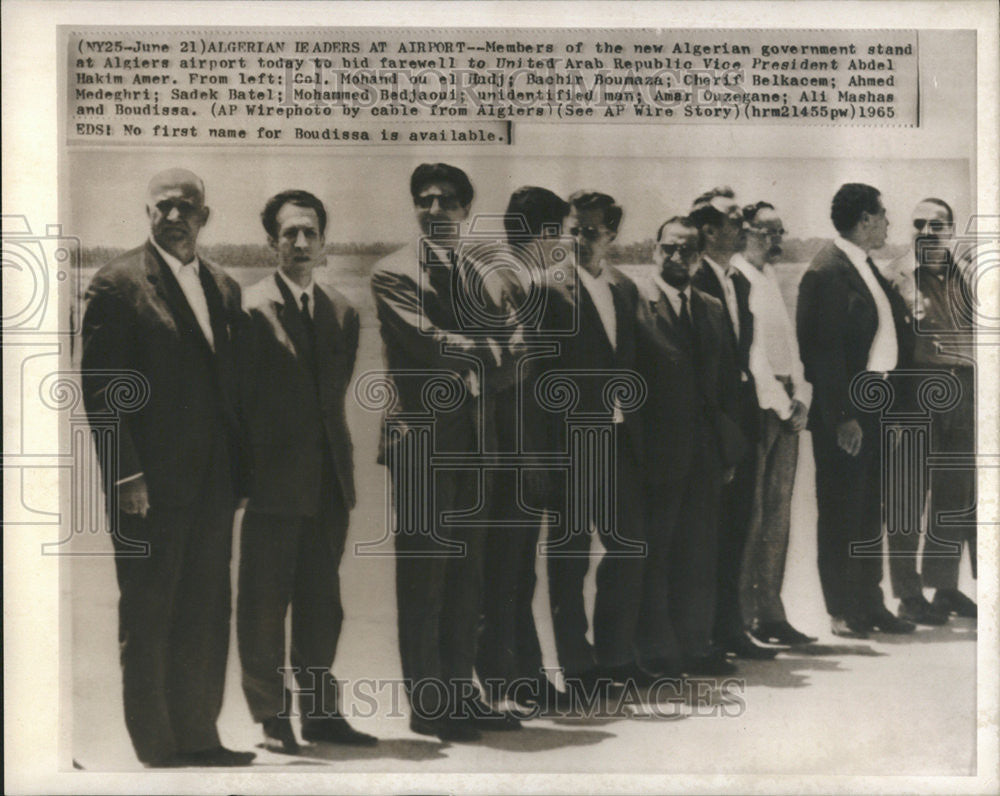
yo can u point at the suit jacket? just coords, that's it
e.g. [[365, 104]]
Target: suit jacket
[[836, 321], [426, 337], [738, 353], [292, 413], [692, 392], [138, 318]]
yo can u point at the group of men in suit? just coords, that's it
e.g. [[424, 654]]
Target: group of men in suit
[[245, 407], [659, 416]]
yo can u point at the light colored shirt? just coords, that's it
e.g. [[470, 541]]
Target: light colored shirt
[[673, 295], [298, 291], [187, 278], [725, 277], [600, 293], [774, 351], [884, 353]]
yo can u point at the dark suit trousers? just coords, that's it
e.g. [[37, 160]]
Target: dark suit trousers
[[173, 618], [679, 587], [849, 504], [291, 561], [438, 597], [619, 577]]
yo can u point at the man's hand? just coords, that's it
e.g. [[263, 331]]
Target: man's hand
[[133, 497], [799, 417], [849, 436]]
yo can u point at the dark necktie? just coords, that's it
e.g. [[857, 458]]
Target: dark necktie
[[685, 315], [307, 321]]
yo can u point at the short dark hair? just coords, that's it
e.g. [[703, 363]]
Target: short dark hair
[[592, 200], [426, 173], [269, 215], [940, 203], [750, 211], [851, 201], [531, 210], [703, 212], [684, 221]]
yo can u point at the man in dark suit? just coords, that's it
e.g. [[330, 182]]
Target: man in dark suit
[[719, 219], [437, 361], [167, 314], [299, 353], [602, 303], [509, 654], [849, 320], [692, 442], [933, 287]]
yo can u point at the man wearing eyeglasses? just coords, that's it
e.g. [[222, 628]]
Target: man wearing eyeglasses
[[691, 443], [935, 291], [784, 396], [434, 352], [719, 219], [164, 312]]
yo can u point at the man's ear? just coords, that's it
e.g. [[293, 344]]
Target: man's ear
[[204, 214], [272, 242], [612, 237]]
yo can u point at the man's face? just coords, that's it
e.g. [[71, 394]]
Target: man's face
[[437, 204], [729, 235], [299, 242], [592, 236], [767, 232], [878, 228], [676, 254], [931, 224], [176, 212]]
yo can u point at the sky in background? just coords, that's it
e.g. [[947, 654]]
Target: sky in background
[[367, 195]]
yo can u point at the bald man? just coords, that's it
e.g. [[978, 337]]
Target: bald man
[[165, 313]]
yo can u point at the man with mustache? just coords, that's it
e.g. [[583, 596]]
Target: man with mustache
[[784, 396]]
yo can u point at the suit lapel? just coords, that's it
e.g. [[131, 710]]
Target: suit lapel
[[590, 318], [290, 317], [160, 275], [712, 286], [854, 278], [327, 328]]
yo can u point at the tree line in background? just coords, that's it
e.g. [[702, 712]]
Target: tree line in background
[[360, 256]]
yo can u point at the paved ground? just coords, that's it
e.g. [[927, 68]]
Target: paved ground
[[890, 705]]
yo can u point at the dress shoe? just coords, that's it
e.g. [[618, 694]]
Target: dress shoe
[[712, 665], [586, 685], [335, 729], [780, 633], [663, 668], [918, 610], [848, 627], [217, 757], [449, 730], [279, 736], [954, 602], [541, 693], [882, 620], [631, 673], [742, 646], [482, 717]]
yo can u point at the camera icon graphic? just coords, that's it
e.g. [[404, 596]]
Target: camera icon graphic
[[34, 266]]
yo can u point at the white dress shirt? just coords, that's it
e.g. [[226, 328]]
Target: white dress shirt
[[884, 353], [298, 291], [187, 278], [724, 275], [672, 294], [600, 293], [775, 349]]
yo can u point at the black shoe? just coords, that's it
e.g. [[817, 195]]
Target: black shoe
[[711, 665], [217, 757], [780, 633], [279, 736], [918, 610], [954, 602], [335, 729], [663, 669], [631, 673], [540, 693], [448, 730], [882, 620], [742, 646], [482, 717], [585, 684], [848, 627]]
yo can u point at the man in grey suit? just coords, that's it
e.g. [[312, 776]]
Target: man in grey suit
[[297, 359]]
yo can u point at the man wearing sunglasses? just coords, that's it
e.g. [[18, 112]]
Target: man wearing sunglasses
[[691, 443], [784, 396], [935, 291]]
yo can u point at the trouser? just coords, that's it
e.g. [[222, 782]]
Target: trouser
[[291, 561], [173, 618], [679, 587], [438, 597], [848, 501], [950, 492], [767, 536], [619, 573]]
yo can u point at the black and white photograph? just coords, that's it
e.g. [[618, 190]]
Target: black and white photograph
[[523, 397]]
